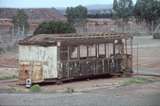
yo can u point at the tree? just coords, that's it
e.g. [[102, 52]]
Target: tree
[[122, 12], [148, 11], [115, 5], [77, 15], [99, 15], [123, 9], [52, 27], [20, 21]]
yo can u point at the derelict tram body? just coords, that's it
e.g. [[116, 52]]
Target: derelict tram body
[[60, 57]]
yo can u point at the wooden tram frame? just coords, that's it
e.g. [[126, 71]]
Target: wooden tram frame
[[73, 68]]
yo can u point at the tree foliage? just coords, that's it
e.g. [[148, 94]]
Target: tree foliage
[[76, 14], [115, 5], [99, 15], [20, 21], [122, 9], [148, 11], [52, 27]]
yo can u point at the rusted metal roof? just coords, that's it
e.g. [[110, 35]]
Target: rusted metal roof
[[72, 38]]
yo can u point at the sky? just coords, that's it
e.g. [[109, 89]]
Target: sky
[[50, 3]]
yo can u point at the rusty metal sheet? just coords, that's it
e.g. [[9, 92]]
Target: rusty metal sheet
[[24, 72]]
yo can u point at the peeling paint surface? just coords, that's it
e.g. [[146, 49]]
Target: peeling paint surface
[[41, 56]]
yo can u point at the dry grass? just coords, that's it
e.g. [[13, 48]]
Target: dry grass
[[8, 73]]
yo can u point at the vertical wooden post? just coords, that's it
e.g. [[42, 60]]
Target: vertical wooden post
[[105, 50], [108, 51], [114, 48], [137, 59], [58, 61], [126, 45], [131, 52], [68, 50], [87, 51], [97, 50], [68, 60], [103, 65], [78, 52], [104, 58], [126, 59], [96, 57]]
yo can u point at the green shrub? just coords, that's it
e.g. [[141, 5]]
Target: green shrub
[[53, 27], [35, 88]]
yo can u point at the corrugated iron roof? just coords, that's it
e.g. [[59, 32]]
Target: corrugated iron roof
[[72, 38]]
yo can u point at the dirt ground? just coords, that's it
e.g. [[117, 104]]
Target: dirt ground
[[134, 95], [9, 59], [148, 55]]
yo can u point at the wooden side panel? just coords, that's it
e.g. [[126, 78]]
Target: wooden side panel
[[64, 71], [37, 73], [129, 63], [106, 66], [77, 68], [74, 69], [99, 67], [86, 68]]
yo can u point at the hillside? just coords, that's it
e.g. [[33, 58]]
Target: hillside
[[34, 14]]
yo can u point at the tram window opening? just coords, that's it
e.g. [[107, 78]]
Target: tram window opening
[[92, 50], [101, 50], [83, 51], [74, 52]]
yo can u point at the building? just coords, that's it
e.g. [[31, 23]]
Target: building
[[59, 57]]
